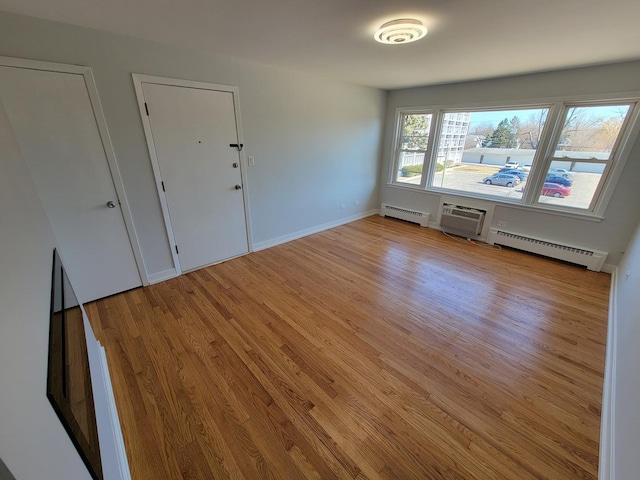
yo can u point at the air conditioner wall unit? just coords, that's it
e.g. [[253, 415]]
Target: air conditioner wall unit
[[461, 220]]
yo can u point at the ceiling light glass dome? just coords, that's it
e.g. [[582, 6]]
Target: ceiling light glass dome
[[400, 31]]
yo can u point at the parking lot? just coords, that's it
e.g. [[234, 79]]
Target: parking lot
[[469, 178]]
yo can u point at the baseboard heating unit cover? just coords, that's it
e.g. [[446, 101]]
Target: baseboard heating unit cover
[[421, 218], [592, 259]]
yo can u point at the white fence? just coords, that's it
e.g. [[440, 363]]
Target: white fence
[[411, 158], [500, 156]]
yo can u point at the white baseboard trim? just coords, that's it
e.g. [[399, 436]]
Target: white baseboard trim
[[162, 276], [606, 469], [123, 462], [310, 231]]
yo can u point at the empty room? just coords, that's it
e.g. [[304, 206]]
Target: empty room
[[422, 260]]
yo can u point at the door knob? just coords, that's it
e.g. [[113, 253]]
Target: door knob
[[111, 204], [238, 187]]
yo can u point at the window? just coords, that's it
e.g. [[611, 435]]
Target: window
[[557, 156], [413, 143], [583, 154], [490, 139]]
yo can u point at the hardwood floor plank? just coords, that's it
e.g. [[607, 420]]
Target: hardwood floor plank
[[374, 350]]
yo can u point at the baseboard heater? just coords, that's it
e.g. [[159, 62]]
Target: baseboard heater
[[592, 259], [421, 218]]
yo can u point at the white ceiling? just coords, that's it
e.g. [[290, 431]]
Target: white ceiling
[[468, 39]]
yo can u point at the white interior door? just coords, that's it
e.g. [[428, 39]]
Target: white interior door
[[53, 120], [192, 130]]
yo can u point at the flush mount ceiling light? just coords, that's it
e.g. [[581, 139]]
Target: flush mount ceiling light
[[405, 30]]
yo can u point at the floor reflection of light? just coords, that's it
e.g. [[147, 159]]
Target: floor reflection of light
[[467, 304], [421, 276]]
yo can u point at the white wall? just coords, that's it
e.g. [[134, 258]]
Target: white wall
[[33, 442], [623, 213], [626, 431], [316, 145], [316, 142]]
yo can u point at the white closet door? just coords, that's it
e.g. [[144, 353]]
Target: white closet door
[[53, 120], [192, 129]]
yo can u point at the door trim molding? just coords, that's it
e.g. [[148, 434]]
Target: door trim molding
[[105, 138], [138, 80]]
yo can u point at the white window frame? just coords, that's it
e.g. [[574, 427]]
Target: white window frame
[[605, 185], [543, 157], [398, 145]]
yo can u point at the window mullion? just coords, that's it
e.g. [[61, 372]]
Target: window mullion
[[429, 156], [396, 148], [544, 152]]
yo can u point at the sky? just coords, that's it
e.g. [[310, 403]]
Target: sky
[[495, 117]]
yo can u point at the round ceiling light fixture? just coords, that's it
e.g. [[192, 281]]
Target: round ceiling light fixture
[[397, 32]]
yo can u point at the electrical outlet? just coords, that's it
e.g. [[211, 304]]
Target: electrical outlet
[[343, 206], [252, 160], [502, 224], [356, 203], [627, 275]]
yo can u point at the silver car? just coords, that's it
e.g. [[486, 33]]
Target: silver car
[[502, 179], [561, 172]]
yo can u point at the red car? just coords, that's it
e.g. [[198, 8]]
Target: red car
[[555, 190]]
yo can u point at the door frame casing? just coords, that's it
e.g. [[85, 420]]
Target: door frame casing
[[105, 139], [138, 80]]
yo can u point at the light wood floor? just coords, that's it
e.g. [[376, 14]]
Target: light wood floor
[[373, 350]]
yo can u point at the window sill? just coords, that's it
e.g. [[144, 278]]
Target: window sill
[[588, 216]]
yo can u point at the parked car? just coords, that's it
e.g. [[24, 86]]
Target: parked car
[[518, 173], [527, 167], [502, 179], [555, 190], [511, 164], [553, 178], [561, 172], [504, 169]]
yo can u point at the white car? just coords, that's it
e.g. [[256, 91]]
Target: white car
[[561, 172], [527, 167], [511, 164]]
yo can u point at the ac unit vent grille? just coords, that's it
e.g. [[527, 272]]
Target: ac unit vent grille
[[461, 220], [466, 213]]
